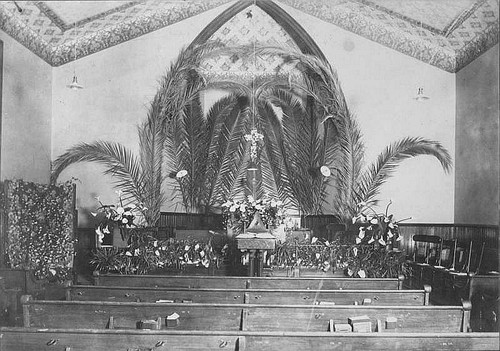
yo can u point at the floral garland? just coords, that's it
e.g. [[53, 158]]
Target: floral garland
[[40, 228]]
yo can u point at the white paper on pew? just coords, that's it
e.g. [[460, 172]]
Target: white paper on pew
[[173, 316], [165, 301]]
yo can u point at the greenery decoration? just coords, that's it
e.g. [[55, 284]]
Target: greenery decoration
[[40, 228], [146, 254], [354, 260], [344, 152]]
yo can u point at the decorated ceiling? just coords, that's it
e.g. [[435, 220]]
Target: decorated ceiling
[[445, 33]]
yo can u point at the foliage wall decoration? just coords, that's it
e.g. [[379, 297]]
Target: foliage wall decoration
[[39, 228]]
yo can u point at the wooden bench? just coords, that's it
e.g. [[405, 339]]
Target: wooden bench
[[256, 296], [251, 317], [31, 339], [328, 283]]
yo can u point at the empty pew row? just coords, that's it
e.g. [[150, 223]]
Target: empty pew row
[[326, 283], [240, 296], [234, 317], [26, 339]]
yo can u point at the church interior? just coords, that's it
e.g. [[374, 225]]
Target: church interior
[[249, 175]]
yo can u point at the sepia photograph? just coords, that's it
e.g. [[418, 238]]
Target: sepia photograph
[[249, 175]]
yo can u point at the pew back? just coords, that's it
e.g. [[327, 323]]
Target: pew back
[[26, 339], [248, 282], [126, 315], [251, 317], [411, 319], [257, 296]]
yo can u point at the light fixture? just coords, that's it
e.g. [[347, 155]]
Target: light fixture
[[420, 95], [74, 83]]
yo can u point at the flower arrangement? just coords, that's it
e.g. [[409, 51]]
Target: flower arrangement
[[40, 228], [239, 213], [115, 216], [378, 228], [149, 255]]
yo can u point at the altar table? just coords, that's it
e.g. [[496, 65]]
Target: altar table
[[256, 244]]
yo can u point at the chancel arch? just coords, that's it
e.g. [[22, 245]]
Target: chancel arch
[[258, 83]]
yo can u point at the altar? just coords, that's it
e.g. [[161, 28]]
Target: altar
[[256, 239], [256, 244]]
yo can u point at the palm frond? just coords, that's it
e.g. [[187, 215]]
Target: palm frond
[[387, 161]]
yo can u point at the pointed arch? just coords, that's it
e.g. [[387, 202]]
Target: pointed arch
[[303, 40]]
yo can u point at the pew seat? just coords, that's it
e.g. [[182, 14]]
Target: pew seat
[[32, 339]]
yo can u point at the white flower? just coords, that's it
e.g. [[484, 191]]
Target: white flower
[[362, 273], [137, 252], [128, 254], [196, 247], [355, 251], [381, 241], [371, 240], [242, 207], [120, 210], [389, 234], [358, 240], [53, 271], [399, 238], [318, 256], [186, 248], [232, 208], [105, 230], [93, 214], [181, 173], [374, 221], [361, 233], [157, 253], [155, 243], [227, 203], [313, 240], [124, 220]]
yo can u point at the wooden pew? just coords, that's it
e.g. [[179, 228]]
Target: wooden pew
[[251, 317], [256, 296], [31, 339], [248, 282]]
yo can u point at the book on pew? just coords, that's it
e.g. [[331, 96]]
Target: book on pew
[[172, 320], [360, 324], [148, 324]]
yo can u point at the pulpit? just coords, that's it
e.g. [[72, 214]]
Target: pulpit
[[256, 240]]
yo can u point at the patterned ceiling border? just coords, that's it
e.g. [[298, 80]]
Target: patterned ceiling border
[[105, 38], [63, 26], [445, 32], [424, 45]]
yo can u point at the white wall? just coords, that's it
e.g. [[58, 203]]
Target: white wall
[[379, 84], [26, 114]]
